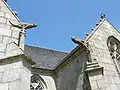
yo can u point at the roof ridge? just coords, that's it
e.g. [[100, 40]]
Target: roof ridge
[[46, 48]]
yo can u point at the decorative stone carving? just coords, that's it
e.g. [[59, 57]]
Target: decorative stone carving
[[102, 15], [23, 27], [37, 83], [114, 50], [79, 41]]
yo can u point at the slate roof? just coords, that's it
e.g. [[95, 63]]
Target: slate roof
[[44, 58]]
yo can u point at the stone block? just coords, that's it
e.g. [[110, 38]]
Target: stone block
[[11, 47], [2, 54], [4, 26], [2, 14], [3, 8], [1, 38], [14, 85], [109, 73], [94, 85], [5, 32], [118, 86], [12, 20], [15, 29], [4, 86], [11, 75], [10, 65], [14, 53], [3, 20], [15, 34], [1, 77], [9, 15], [116, 80], [2, 47], [15, 40], [6, 40], [113, 87], [109, 79], [96, 77], [101, 83]]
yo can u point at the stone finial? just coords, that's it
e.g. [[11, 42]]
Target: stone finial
[[97, 24], [92, 29], [87, 34], [102, 15], [15, 13], [100, 20]]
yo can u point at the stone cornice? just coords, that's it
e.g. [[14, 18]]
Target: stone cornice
[[93, 69]]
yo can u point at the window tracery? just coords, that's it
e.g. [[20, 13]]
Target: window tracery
[[114, 48], [37, 83]]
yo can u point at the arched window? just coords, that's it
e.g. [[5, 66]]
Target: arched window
[[37, 83], [114, 48]]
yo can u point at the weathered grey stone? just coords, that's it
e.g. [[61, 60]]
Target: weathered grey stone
[[4, 86], [3, 20], [93, 65]]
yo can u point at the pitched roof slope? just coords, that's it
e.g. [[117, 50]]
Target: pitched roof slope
[[44, 58]]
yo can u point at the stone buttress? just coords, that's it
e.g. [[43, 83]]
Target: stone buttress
[[15, 66], [103, 66]]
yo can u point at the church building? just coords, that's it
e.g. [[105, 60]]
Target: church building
[[92, 65]]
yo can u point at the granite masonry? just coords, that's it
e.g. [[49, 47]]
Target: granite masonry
[[93, 65]]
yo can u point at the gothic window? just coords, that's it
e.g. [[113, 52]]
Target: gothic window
[[114, 48], [37, 83]]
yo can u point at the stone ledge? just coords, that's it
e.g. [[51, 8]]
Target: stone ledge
[[94, 69]]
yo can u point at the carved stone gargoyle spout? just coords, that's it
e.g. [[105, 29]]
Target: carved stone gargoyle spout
[[24, 25], [79, 41]]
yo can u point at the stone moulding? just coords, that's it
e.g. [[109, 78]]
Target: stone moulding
[[16, 57], [94, 68]]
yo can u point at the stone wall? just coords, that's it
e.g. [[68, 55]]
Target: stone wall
[[7, 31], [15, 74], [72, 76], [48, 76], [99, 51]]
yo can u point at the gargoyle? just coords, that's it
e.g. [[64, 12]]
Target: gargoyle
[[79, 41], [24, 25]]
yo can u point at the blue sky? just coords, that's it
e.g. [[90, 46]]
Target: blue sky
[[59, 20]]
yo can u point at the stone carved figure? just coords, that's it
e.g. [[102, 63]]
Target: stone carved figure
[[37, 83]]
